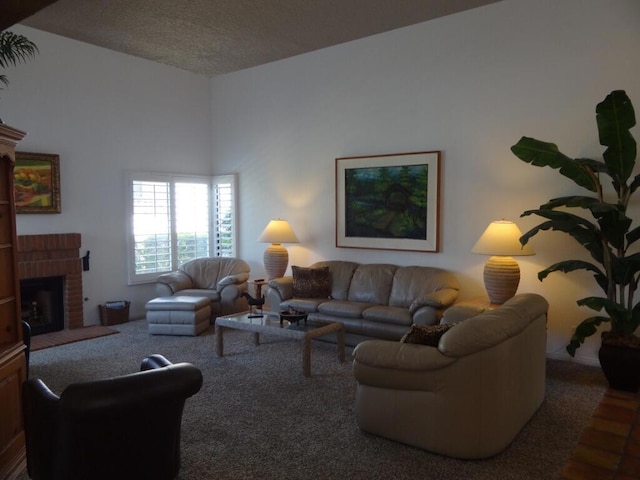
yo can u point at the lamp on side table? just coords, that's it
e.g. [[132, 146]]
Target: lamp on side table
[[276, 256], [501, 240]]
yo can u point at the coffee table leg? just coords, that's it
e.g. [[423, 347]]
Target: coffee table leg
[[219, 342], [340, 335], [256, 338], [306, 357]]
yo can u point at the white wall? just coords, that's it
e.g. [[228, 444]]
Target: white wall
[[104, 113], [469, 85]]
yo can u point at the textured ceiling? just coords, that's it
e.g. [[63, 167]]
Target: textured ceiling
[[213, 37]]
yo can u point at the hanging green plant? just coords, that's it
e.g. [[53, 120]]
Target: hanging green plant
[[14, 49]]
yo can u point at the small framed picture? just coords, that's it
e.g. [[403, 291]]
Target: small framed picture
[[36, 183]]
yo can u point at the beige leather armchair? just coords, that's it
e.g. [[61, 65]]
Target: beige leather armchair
[[467, 398], [223, 279]]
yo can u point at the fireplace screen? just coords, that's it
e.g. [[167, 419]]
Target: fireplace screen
[[42, 304]]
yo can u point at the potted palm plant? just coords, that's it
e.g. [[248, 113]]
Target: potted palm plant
[[14, 49], [604, 229]]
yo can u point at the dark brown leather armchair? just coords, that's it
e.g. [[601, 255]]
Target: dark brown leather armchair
[[122, 428]]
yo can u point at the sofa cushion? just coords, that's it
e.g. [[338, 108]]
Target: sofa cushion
[[302, 304], [343, 309], [206, 272], [341, 274], [425, 334], [411, 284], [311, 282], [372, 283], [385, 314], [200, 292]]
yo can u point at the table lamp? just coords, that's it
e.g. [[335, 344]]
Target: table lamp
[[276, 256], [501, 240]]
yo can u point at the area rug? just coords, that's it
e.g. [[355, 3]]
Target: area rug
[[53, 339], [258, 417]]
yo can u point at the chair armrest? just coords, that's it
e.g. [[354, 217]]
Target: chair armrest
[[237, 279], [154, 361], [175, 281], [41, 415]]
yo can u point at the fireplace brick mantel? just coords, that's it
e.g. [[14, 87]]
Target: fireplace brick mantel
[[52, 255]]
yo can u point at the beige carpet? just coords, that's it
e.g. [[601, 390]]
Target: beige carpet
[[258, 417], [53, 339]]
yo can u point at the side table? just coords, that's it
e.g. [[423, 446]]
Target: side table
[[257, 285]]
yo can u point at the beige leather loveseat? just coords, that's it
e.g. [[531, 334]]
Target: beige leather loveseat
[[222, 279], [372, 300], [469, 396]]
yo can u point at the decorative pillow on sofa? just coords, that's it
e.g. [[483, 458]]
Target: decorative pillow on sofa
[[311, 282], [425, 334]]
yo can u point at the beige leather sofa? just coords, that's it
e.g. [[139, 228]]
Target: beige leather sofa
[[373, 300], [222, 279], [467, 398]]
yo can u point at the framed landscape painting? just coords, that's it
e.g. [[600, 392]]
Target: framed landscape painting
[[388, 202], [36, 183]]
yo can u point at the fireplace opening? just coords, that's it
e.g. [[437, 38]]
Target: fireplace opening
[[42, 303]]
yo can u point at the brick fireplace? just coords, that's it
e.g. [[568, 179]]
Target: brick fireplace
[[51, 255]]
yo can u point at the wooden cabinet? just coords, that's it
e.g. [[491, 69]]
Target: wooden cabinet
[[13, 370]]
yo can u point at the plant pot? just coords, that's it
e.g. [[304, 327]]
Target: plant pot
[[621, 366]]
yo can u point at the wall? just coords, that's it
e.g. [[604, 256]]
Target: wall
[[470, 85], [104, 113]]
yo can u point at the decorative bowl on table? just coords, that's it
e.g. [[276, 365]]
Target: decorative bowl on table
[[292, 316]]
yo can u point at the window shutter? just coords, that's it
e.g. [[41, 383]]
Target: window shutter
[[224, 216], [152, 226]]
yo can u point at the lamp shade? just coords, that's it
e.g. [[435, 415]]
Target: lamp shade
[[278, 231], [501, 273], [276, 257], [502, 237]]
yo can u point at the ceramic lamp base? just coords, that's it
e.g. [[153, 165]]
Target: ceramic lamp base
[[276, 259], [501, 278]]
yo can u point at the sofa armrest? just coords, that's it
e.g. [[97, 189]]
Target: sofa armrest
[[386, 354], [283, 287], [439, 299], [236, 279], [174, 281], [395, 365]]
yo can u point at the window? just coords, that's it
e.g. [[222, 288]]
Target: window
[[176, 218], [224, 218]]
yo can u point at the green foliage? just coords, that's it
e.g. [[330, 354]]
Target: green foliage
[[607, 235], [14, 49]]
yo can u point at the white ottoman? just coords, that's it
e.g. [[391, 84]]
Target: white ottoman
[[178, 315]]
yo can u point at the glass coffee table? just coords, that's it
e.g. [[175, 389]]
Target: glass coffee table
[[270, 323]]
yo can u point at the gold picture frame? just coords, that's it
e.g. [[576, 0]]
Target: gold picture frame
[[389, 202], [36, 183]]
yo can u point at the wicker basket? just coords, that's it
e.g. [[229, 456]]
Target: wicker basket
[[113, 313]]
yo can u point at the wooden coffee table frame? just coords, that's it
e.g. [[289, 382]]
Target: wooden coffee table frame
[[270, 323]]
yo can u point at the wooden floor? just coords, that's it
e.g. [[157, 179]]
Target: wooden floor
[[609, 447], [54, 339]]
